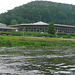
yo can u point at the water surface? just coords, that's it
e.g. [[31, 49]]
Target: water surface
[[37, 61]]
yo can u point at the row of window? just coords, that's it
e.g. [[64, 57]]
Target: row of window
[[44, 29], [65, 30], [35, 29]]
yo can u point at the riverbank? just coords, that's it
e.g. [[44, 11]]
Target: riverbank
[[12, 41]]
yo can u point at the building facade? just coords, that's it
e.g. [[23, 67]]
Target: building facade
[[64, 28], [42, 27]]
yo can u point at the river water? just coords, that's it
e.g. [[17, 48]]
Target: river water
[[37, 61]]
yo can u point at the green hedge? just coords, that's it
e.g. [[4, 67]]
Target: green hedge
[[20, 33]]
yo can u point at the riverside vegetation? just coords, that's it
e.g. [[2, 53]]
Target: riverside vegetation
[[12, 41], [36, 39]]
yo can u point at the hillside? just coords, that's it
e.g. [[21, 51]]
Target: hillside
[[45, 11]]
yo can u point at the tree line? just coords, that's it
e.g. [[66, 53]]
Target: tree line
[[45, 11]]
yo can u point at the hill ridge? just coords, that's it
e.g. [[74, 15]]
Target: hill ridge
[[45, 11]]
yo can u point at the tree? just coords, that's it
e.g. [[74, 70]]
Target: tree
[[14, 22], [42, 10], [51, 29]]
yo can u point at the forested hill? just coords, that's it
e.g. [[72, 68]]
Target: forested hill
[[45, 11]]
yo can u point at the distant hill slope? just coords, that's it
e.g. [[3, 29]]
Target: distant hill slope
[[45, 11]]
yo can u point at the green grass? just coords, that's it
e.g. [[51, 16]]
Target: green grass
[[12, 41]]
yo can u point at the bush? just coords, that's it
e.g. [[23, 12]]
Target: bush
[[61, 33], [68, 35], [8, 43]]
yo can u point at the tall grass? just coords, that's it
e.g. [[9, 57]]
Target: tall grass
[[9, 41]]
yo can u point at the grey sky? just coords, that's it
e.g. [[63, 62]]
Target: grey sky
[[10, 4]]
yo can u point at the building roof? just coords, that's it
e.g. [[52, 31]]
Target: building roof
[[64, 25], [3, 26], [42, 23], [37, 23]]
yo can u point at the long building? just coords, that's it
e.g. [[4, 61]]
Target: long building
[[42, 27]]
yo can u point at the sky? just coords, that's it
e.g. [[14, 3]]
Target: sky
[[6, 5]]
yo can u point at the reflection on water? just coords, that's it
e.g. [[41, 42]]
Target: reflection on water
[[42, 61]]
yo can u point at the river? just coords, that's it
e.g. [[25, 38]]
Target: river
[[37, 61]]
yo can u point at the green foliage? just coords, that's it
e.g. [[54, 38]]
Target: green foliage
[[9, 43], [19, 33], [14, 22], [38, 34], [51, 29], [33, 41], [59, 33], [68, 35], [45, 11]]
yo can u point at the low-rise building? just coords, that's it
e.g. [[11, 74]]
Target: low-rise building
[[4, 27], [42, 27]]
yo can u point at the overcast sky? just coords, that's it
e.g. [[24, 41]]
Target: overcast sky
[[10, 4]]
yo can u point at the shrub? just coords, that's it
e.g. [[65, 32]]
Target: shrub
[[8, 43], [68, 35]]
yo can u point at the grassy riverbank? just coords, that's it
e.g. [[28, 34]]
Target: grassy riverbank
[[12, 41]]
